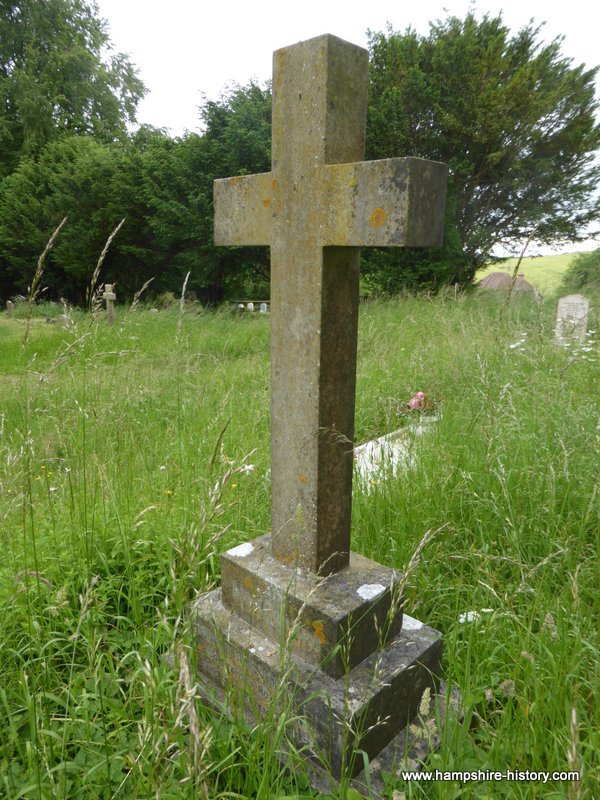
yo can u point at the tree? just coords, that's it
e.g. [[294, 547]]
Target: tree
[[513, 118], [56, 78]]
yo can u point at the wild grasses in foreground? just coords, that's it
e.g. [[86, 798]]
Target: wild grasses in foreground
[[124, 471]]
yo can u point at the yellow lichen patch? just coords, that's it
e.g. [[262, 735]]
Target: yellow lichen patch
[[267, 202], [318, 631], [236, 179], [248, 583], [274, 184], [377, 218], [302, 478]]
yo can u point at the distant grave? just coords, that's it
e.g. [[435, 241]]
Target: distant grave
[[298, 615], [572, 316], [10, 309], [110, 298]]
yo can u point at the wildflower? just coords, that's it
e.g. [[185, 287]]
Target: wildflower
[[247, 468], [53, 489], [549, 626], [162, 468], [42, 466], [507, 688], [473, 616], [489, 695], [169, 492], [528, 656], [234, 485]]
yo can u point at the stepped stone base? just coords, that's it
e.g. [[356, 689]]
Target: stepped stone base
[[259, 653]]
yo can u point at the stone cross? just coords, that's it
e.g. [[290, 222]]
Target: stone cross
[[315, 209], [10, 308], [110, 298], [571, 318]]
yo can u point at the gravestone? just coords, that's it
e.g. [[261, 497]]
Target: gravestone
[[263, 308], [297, 611], [10, 309], [110, 298], [572, 316]]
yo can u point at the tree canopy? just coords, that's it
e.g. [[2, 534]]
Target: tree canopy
[[57, 78], [514, 119]]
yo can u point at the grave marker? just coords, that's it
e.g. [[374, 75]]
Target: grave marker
[[10, 309], [110, 298], [315, 209], [572, 316]]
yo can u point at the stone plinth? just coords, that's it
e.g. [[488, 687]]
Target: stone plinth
[[330, 719], [334, 622]]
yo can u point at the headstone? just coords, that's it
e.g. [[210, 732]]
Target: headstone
[[572, 319], [263, 308], [250, 306], [154, 310], [315, 209], [10, 309], [110, 298]]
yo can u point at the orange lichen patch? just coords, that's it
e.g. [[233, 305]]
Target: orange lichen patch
[[274, 184], [319, 632], [267, 202], [248, 583], [236, 179], [377, 218], [302, 478]]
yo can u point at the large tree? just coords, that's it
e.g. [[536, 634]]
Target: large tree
[[57, 77], [514, 119]]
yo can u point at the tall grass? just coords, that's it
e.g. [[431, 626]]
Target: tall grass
[[131, 456]]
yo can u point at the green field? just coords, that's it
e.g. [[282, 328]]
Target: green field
[[543, 272], [125, 458]]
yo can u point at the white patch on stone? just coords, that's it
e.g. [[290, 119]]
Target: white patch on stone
[[370, 590], [241, 551], [410, 623]]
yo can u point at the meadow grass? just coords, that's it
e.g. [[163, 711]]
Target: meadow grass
[[543, 272], [130, 456]]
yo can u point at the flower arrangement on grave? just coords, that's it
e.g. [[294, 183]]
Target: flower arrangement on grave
[[420, 404]]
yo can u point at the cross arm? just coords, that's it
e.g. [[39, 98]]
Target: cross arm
[[391, 202], [243, 209]]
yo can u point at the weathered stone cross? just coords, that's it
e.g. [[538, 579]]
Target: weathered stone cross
[[110, 298], [315, 209]]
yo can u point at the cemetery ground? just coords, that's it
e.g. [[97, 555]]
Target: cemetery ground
[[132, 455]]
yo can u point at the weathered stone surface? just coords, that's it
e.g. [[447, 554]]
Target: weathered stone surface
[[110, 298], [314, 209], [572, 318], [334, 622], [332, 718], [277, 634]]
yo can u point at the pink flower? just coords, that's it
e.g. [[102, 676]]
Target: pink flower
[[417, 401]]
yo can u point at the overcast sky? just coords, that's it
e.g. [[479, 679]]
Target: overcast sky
[[187, 48]]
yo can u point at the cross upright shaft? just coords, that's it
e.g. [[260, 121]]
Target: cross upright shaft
[[315, 209]]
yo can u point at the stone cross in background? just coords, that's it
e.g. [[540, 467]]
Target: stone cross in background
[[10, 308], [110, 298], [315, 209], [572, 316]]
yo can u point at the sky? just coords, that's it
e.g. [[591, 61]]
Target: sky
[[187, 49]]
